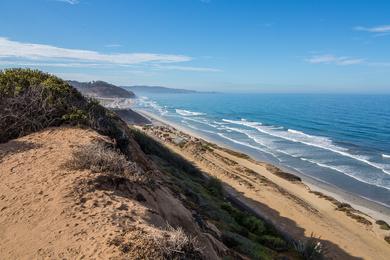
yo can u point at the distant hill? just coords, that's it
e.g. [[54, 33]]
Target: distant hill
[[101, 89], [159, 89]]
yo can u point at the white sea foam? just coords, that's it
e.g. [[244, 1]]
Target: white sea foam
[[196, 128], [346, 171], [201, 121], [188, 113], [146, 102], [386, 156], [311, 140], [247, 145]]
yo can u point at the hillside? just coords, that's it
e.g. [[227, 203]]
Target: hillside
[[101, 89], [82, 212], [78, 182]]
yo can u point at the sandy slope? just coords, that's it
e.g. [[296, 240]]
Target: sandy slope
[[48, 211], [288, 205]]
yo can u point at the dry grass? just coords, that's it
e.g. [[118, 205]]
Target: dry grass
[[100, 157], [174, 243], [351, 212], [151, 243]]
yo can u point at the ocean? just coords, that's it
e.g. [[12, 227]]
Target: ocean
[[338, 140]]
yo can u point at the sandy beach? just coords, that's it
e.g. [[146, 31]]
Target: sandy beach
[[282, 198]]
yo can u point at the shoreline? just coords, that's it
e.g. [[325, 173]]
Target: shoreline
[[291, 205], [369, 207]]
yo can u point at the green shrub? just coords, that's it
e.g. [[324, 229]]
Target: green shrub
[[245, 246], [215, 187], [383, 224], [311, 249], [31, 100], [273, 242], [152, 147], [251, 223]]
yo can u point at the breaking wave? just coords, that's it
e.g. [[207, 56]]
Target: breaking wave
[[311, 140], [188, 113]]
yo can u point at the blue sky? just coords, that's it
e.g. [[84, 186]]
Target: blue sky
[[223, 45]]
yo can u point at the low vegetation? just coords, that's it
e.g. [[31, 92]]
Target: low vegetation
[[31, 100], [167, 243], [239, 230], [383, 225], [100, 157], [352, 213], [174, 243], [311, 248]]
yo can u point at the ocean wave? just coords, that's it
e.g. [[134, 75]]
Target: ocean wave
[[188, 113], [248, 134], [311, 140], [196, 128], [386, 156], [259, 141], [247, 145], [201, 121], [219, 123], [344, 170], [148, 103]]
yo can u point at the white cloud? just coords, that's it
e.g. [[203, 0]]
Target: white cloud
[[376, 29], [332, 59], [48, 53], [72, 2]]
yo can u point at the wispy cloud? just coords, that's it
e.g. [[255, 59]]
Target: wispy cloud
[[376, 29], [332, 59], [72, 2], [47, 53]]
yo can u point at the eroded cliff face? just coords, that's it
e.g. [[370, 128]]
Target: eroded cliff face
[[50, 209]]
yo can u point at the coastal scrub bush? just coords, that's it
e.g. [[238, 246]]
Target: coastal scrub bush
[[273, 242], [246, 246], [152, 147], [99, 157], [311, 249], [31, 100], [251, 223], [176, 244], [383, 225], [215, 187]]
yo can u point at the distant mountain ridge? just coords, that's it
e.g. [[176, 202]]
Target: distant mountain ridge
[[101, 89], [159, 89]]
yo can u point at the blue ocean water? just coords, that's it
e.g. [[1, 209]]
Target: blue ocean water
[[341, 140]]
